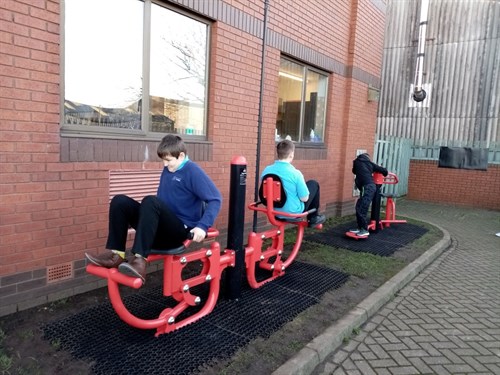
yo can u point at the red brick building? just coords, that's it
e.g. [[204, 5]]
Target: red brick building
[[88, 88]]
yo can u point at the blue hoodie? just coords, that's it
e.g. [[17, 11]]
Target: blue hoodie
[[191, 195]]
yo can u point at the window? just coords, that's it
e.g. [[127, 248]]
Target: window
[[301, 103], [133, 67]]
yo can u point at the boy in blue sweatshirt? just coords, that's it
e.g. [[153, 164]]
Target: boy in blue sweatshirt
[[301, 195], [187, 201]]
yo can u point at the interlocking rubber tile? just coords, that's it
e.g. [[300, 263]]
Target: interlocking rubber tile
[[384, 242], [97, 334]]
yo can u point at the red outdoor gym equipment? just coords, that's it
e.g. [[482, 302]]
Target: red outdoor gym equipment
[[390, 209], [214, 260], [271, 258]]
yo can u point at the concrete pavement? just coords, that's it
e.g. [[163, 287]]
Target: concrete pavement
[[439, 315]]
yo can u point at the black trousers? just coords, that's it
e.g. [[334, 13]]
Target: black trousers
[[363, 204], [313, 201], [156, 226]]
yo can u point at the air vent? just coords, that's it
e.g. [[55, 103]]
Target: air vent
[[135, 184], [59, 272]]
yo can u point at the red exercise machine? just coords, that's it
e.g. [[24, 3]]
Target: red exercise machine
[[272, 258], [214, 260], [390, 209]]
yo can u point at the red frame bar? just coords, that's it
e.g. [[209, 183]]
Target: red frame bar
[[255, 255], [214, 262]]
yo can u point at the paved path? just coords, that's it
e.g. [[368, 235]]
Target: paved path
[[445, 321]]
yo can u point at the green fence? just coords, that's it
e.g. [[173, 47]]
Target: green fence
[[394, 154]]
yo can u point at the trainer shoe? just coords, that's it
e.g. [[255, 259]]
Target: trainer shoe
[[363, 233], [355, 231], [316, 220]]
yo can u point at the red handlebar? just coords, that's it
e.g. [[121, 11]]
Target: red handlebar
[[390, 179], [211, 233]]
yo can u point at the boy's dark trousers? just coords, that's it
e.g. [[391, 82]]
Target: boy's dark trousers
[[313, 201], [156, 226], [367, 193]]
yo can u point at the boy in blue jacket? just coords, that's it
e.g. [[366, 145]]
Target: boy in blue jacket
[[363, 168], [302, 195], [187, 202]]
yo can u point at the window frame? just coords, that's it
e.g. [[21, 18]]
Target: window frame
[[82, 131], [305, 69]]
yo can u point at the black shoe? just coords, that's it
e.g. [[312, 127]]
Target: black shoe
[[316, 220]]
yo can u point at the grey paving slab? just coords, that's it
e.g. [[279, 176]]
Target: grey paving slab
[[445, 318]]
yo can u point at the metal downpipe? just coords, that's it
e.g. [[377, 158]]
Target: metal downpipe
[[419, 93], [259, 119]]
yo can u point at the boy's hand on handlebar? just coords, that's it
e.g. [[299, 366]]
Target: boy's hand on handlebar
[[198, 234]]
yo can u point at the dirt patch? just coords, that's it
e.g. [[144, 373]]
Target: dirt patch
[[23, 340], [24, 351], [264, 356]]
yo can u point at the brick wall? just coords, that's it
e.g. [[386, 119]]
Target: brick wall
[[461, 187], [55, 190]]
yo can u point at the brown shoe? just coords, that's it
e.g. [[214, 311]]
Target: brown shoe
[[107, 259], [135, 268]]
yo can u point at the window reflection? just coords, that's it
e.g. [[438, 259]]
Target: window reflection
[[290, 99], [104, 60], [315, 107], [301, 103], [178, 68], [103, 63]]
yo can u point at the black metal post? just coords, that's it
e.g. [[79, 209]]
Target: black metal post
[[235, 228], [376, 203]]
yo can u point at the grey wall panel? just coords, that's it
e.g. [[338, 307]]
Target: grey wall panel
[[462, 65]]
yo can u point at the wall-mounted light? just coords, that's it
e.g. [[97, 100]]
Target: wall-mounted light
[[412, 103], [291, 76]]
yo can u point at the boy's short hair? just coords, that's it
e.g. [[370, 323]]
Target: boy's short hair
[[284, 149], [171, 145]]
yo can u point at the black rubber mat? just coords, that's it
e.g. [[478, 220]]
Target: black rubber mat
[[384, 242], [97, 334]]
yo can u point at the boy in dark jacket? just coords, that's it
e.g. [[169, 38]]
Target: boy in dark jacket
[[363, 168]]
